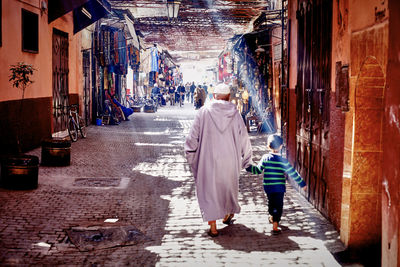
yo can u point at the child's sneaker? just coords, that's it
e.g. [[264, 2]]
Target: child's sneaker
[[276, 232]]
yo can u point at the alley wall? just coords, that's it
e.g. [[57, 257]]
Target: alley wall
[[37, 108], [352, 183]]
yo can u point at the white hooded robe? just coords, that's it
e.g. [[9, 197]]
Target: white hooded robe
[[217, 148]]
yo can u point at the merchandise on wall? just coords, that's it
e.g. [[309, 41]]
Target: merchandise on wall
[[251, 78], [113, 55]]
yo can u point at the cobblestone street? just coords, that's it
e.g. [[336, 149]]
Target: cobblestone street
[[136, 172]]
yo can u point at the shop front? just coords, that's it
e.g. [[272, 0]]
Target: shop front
[[252, 79]]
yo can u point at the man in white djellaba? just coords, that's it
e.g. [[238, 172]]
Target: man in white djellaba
[[217, 148]]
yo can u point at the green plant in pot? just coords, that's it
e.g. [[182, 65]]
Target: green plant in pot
[[20, 171]]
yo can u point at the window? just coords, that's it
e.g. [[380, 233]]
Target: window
[[30, 31]]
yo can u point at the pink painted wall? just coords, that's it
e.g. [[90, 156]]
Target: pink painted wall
[[291, 142], [11, 51]]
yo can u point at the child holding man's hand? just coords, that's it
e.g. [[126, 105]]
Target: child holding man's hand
[[275, 167]]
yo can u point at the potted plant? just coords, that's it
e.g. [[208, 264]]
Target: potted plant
[[20, 171]]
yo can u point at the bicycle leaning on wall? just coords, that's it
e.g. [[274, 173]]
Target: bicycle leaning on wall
[[75, 123]]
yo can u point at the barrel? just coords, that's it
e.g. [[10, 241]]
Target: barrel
[[56, 152], [19, 172], [149, 109], [136, 108]]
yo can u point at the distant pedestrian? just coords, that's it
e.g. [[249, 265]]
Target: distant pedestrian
[[199, 97], [181, 90], [210, 91], [171, 92], [275, 167], [192, 89], [217, 148], [205, 88], [187, 90]]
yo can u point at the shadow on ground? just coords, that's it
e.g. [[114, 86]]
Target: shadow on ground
[[240, 237]]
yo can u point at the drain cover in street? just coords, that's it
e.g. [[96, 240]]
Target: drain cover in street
[[96, 237], [97, 182]]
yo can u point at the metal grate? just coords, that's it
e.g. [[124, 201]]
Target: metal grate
[[97, 182]]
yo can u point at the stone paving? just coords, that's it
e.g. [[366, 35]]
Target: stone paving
[[136, 172]]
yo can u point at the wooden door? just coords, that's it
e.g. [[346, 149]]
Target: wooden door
[[312, 97], [60, 80], [86, 86]]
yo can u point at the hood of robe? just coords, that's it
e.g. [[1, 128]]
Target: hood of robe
[[221, 112]]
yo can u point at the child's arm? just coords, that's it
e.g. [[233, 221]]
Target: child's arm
[[253, 169], [292, 173], [256, 169]]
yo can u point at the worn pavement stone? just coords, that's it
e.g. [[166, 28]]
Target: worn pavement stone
[[136, 172]]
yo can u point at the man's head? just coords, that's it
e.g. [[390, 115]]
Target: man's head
[[275, 142], [222, 92]]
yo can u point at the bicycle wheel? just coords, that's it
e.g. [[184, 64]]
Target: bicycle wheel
[[73, 133], [82, 128]]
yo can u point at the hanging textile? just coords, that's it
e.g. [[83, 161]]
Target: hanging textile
[[106, 48], [111, 78], [116, 46], [101, 49], [154, 59], [122, 53], [105, 79]]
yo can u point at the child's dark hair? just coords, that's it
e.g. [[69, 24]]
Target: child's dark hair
[[275, 141]]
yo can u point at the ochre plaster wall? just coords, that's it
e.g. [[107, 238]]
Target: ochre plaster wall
[[362, 13], [340, 53], [367, 38]]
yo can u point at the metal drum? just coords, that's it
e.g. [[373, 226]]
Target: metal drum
[[56, 152]]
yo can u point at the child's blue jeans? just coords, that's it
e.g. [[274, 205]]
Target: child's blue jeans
[[275, 205]]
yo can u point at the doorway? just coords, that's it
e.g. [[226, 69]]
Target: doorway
[[60, 82]]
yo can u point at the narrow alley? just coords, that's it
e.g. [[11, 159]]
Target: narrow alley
[[136, 172], [98, 155]]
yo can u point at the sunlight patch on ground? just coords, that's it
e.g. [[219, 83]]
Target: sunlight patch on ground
[[166, 132], [154, 144], [186, 231], [310, 247], [172, 167]]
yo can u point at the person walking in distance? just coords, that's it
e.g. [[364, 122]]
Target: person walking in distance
[[192, 88], [217, 148], [187, 90], [181, 90], [275, 167], [171, 92]]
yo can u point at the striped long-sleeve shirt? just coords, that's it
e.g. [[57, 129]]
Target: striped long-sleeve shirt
[[275, 167]]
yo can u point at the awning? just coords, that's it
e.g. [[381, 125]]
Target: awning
[[58, 8], [132, 32], [90, 12], [86, 12]]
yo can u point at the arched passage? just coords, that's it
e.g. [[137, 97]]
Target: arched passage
[[365, 191]]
